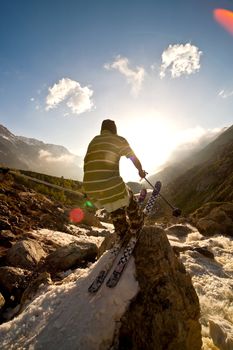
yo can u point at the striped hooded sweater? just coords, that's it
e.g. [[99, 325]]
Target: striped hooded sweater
[[102, 181]]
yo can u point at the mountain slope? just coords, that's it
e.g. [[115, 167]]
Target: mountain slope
[[31, 154], [176, 169], [209, 181]]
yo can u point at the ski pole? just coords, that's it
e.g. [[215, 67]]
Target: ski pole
[[175, 211]]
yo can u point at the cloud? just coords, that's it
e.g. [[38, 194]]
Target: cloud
[[134, 77], [48, 157], [196, 135], [191, 140], [181, 59], [77, 98], [225, 94]]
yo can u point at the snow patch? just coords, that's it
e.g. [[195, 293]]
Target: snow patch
[[64, 315]]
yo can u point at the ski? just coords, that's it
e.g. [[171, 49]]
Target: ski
[[128, 251], [150, 204], [114, 252], [98, 281], [142, 196]]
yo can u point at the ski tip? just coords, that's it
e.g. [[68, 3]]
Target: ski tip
[[158, 185]]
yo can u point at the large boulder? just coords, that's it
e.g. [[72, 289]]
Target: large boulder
[[221, 331], [42, 279], [70, 256], [214, 218], [165, 313], [13, 282], [13, 278], [179, 230], [2, 301], [25, 254]]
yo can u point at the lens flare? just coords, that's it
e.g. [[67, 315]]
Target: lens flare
[[76, 215], [88, 204], [225, 19]]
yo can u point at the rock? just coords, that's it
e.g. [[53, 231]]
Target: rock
[[2, 301], [4, 224], [13, 282], [103, 215], [179, 230], [107, 243], [70, 256], [180, 247], [12, 278], [25, 254], [221, 331], [214, 218], [7, 235], [51, 240], [43, 278], [204, 251], [165, 313]]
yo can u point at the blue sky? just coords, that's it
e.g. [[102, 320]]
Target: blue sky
[[161, 69]]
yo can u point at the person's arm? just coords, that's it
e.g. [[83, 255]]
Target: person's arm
[[138, 165]]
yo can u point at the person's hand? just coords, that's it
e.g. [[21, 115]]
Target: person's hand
[[142, 173]]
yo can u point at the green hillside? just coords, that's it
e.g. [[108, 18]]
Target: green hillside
[[66, 191]]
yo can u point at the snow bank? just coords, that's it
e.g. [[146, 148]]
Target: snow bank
[[66, 316]]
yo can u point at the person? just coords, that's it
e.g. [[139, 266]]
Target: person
[[104, 185]]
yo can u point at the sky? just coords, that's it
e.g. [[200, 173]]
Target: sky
[[161, 69]]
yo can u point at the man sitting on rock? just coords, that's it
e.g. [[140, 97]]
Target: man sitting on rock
[[103, 183]]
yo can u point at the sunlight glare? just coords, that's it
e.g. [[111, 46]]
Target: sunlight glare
[[152, 141]]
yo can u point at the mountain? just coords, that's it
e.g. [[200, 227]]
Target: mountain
[[211, 177], [187, 159], [32, 154]]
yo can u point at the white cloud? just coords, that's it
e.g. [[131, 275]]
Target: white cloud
[[196, 135], [180, 59], [225, 94], [192, 140], [77, 98], [134, 77], [191, 135], [48, 157]]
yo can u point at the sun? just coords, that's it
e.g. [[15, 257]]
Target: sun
[[152, 143]]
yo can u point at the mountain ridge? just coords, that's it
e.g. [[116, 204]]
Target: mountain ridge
[[176, 169], [31, 154]]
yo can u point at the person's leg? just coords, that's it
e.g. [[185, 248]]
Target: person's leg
[[119, 221], [135, 214]]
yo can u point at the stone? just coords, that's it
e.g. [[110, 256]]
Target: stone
[[25, 254], [204, 251], [70, 256], [12, 278], [2, 301], [179, 230], [221, 331], [165, 313], [103, 215], [214, 218], [30, 292], [4, 224]]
